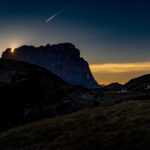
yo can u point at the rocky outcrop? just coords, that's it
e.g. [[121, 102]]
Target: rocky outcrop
[[63, 60]]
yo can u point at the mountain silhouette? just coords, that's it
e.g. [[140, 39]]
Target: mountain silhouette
[[141, 83], [63, 60]]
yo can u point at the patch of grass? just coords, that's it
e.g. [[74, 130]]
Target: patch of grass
[[120, 127]]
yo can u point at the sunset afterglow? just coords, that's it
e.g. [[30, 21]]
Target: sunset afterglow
[[108, 73], [120, 68]]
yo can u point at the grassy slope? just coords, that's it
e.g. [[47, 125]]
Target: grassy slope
[[121, 127]]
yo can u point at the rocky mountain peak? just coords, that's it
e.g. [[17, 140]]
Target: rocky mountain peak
[[62, 59]]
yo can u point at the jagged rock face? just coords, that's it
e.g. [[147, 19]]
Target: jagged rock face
[[63, 60]]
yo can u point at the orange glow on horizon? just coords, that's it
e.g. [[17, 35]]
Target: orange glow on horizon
[[119, 72], [12, 50], [120, 68], [14, 46]]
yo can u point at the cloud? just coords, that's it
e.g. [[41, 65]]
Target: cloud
[[120, 67]]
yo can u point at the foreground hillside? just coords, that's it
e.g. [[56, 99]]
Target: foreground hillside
[[30, 93], [119, 127]]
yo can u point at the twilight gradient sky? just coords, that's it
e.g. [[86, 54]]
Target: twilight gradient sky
[[113, 35]]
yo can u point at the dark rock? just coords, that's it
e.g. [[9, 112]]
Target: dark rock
[[139, 84], [63, 60], [114, 87], [30, 93]]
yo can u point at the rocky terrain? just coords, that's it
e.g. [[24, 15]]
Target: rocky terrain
[[29, 93], [63, 60]]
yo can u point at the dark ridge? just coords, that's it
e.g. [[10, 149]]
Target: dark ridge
[[139, 84], [30, 93]]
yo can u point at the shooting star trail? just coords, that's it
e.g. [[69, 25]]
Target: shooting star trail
[[61, 11]]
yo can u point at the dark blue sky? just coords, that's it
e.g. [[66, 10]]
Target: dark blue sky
[[104, 27], [106, 31]]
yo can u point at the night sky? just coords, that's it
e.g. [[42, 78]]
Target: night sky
[[112, 35]]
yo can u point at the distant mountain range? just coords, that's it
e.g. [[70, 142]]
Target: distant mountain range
[[63, 60], [113, 87], [138, 84]]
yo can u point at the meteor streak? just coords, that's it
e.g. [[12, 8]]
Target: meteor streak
[[61, 11]]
